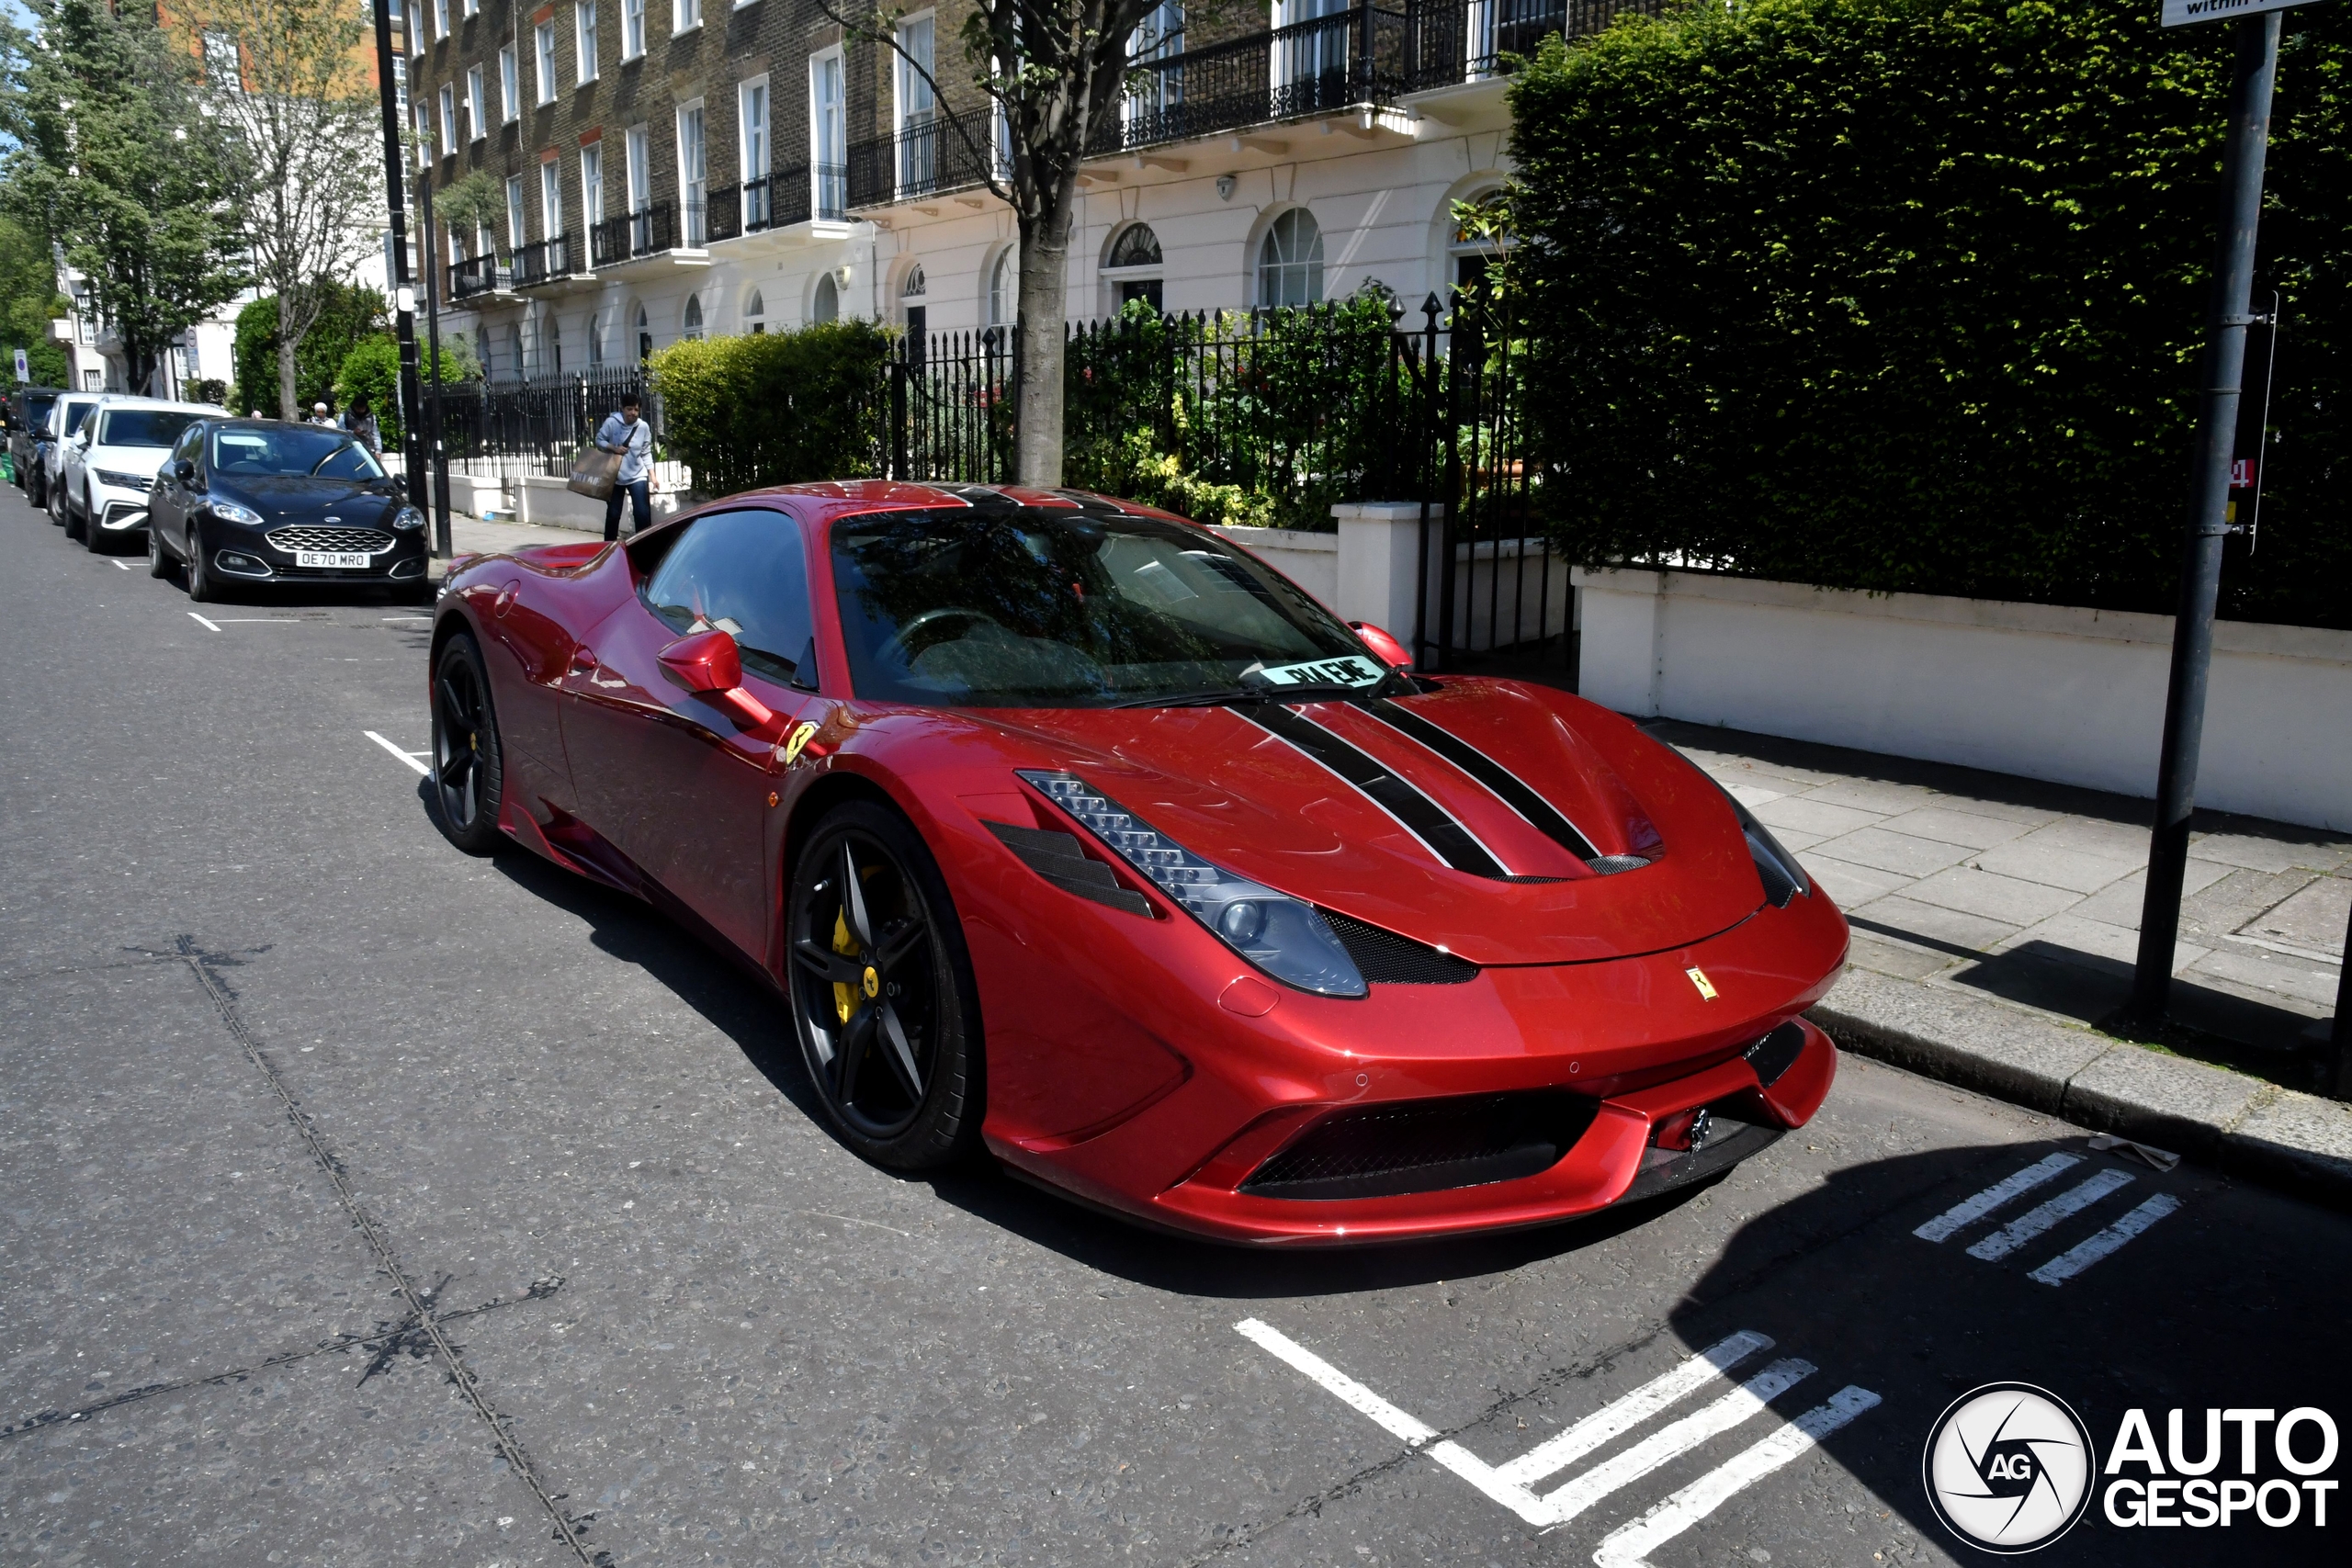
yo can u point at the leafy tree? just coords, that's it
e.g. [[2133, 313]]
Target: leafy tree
[[1908, 295], [1053, 71], [372, 371], [297, 109], [29, 302], [113, 161], [347, 314]]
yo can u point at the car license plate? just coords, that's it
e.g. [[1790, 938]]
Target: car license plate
[[336, 560]]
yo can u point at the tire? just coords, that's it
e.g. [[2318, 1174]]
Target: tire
[[36, 490], [469, 765], [95, 539], [159, 564], [202, 587], [887, 1024], [61, 513]]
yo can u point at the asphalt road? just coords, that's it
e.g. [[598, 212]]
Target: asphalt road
[[362, 1203]]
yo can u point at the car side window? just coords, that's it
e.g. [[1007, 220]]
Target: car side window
[[744, 574]]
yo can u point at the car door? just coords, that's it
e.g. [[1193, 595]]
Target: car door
[[679, 782], [168, 503]]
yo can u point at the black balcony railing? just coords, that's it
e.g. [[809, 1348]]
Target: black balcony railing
[[476, 274], [641, 233], [543, 261], [1370, 55], [832, 192]]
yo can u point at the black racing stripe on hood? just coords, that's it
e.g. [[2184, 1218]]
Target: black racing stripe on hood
[[1447, 839], [1506, 785]]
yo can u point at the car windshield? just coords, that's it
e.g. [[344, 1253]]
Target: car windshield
[[143, 427], [37, 406], [291, 449], [1042, 607], [75, 409]]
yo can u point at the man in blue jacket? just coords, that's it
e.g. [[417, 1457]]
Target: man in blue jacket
[[627, 433]]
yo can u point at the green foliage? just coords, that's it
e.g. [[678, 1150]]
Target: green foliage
[[372, 371], [209, 389], [28, 302], [1907, 295], [111, 159], [774, 408], [349, 315], [1276, 414], [471, 204]]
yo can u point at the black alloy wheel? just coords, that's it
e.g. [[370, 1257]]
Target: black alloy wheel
[[468, 771], [881, 991], [159, 564], [95, 539], [61, 507], [203, 588]]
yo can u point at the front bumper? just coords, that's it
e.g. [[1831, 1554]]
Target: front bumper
[[119, 510], [1634, 1042], [248, 555]]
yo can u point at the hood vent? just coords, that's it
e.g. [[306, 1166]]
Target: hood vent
[[1058, 858], [1387, 959]]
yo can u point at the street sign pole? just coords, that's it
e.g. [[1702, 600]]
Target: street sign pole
[[403, 294], [2208, 499]]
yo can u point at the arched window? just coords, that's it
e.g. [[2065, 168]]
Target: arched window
[[690, 325], [1004, 289], [826, 305], [515, 350], [551, 348], [1290, 261], [917, 315], [915, 285], [1131, 267], [1135, 246], [756, 313], [644, 335], [595, 339]]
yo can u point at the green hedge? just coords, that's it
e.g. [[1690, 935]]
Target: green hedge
[[351, 314], [775, 408], [372, 371], [1907, 295]]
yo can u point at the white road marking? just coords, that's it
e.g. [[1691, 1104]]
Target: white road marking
[[1350, 1392], [408, 757], [2033, 1222], [1970, 1210], [1631, 1545], [201, 621], [124, 564], [1498, 1482], [1564, 1448], [406, 617], [2066, 1265], [258, 620], [1612, 1474]]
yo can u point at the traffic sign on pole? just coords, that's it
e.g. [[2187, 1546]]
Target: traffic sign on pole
[[2181, 12]]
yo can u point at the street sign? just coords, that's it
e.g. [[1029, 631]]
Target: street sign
[[24, 371], [2181, 12]]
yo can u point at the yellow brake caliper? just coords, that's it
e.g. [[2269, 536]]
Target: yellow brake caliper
[[845, 997]]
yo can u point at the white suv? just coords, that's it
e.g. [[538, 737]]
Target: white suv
[[110, 467], [66, 417]]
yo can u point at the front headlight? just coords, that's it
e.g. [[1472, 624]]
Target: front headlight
[[1783, 877], [123, 482], [230, 512], [1282, 935], [408, 517]]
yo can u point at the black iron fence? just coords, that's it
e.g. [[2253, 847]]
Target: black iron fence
[[512, 430]]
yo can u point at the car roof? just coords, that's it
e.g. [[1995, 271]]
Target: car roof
[[121, 401], [823, 501]]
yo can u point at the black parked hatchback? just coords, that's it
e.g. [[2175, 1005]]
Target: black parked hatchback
[[261, 501]]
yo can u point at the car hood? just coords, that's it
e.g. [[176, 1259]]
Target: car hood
[[1402, 813], [297, 498]]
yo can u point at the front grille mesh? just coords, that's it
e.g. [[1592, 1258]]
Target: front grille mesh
[[1387, 959], [311, 537], [1426, 1145]]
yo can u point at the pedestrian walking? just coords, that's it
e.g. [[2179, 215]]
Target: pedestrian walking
[[361, 422], [626, 432]]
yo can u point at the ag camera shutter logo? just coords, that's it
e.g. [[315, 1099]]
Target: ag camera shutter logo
[[2009, 1467]]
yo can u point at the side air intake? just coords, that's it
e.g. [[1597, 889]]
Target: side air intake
[[1425, 1145], [1058, 858]]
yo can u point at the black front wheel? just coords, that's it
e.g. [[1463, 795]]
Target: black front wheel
[[159, 562], [469, 770], [881, 989]]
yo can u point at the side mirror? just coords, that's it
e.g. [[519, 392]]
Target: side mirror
[[1385, 647], [708, 665], [184, 470]]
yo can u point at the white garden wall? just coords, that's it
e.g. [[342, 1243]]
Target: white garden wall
[[2072, 695]]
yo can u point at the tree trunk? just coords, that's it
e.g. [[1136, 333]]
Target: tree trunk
[[285, 409], [1044, 284]]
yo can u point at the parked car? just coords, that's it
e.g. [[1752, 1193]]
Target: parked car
[[66, 417], [110, 470], [260, 502], [27, 423], [1063, 828]]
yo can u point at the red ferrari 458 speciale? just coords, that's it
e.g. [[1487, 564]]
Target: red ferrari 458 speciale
[[1065, 828]]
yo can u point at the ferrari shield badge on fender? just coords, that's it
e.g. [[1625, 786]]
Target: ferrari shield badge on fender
[[1706, 987], [790, 750]]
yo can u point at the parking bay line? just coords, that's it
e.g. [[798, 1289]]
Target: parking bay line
[[1968, 1211], [2068, 1264], [202, 622], [1695, 1501], [408, 757], [123, 564], [2033, 1222], [1557, 1452]]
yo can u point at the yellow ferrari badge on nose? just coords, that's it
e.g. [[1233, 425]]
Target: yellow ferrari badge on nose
[[792, 747], [1706, 987]]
